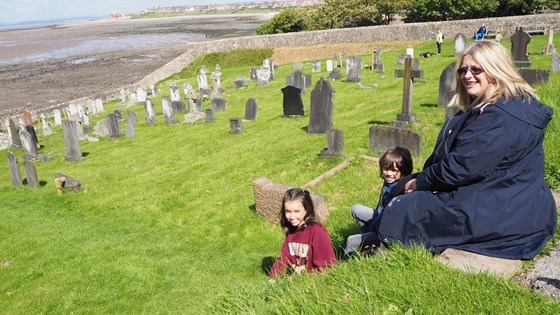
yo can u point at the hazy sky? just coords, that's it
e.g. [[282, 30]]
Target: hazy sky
[[15, 11]]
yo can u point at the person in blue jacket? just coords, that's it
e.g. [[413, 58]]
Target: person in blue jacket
[[482, 190], [481, 32]]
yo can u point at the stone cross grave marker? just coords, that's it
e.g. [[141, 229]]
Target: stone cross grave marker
[[322, 108], [520, 48], [236, 125], [72, 140], [131, 115], [408, 74], [14, 133], [168, 112], [150, 114], [29, 150], [251, 109], [292, 102], [31, 174], [335, 144], [114, 126], [15, 173], [460, 43], [354, 69]]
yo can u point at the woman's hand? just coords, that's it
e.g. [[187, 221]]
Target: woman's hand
[[410, 186]]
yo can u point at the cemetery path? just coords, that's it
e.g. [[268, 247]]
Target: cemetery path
[[48, 65]]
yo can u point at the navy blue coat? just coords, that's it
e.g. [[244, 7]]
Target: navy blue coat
[[483, 188]]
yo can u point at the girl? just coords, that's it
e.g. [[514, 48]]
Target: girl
[[307, 246], [394, 164]]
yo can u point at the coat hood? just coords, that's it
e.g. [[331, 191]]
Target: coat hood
[[529, 110]]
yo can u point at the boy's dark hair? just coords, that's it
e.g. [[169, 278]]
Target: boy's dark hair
[[398, 156], [293, 194]]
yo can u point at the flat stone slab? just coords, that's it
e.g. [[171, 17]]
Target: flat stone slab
[[476, 263]]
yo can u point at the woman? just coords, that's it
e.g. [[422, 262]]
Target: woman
[[483, 188]]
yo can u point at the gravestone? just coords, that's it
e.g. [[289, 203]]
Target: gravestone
[[219, 104], [210, 115], [102, 128], [57, 117], [236, 125], [292, 102], [354, 69], [14, 170], [191, 118], [130, 130], [203, 79], [141, 95], [297, 65], [382, 137], [131, 115], [460, 43], [380, 68], [377, 58], [447, 85], [29, 150], [410, 52], [308, 81], [297, 79], [168, 111], [90, 107], [408, 74], [72, 140], [549, 48], [555, 62], [119, 114], [114, 126], [535, 76], [253, 74], [263, 76], [335, 75], [251, 109], [268, 200], [27, 119], [176, 103], [132, 99], [122, 97], [322, 108], [316, 66], [335, 144], [73, 112], [520, 48], [268, 64], [33, 133], [240, 82], [47, 127], [31, 174], [154, 90], [98, 105], [335, 61], [66, 182], [14, 133], [150, 114], [329, 65]]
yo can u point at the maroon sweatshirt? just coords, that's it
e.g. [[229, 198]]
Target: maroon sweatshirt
[[309, 249]]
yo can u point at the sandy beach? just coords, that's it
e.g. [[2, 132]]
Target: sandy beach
[[58, 63]]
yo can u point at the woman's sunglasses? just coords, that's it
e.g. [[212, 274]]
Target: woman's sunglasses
[[473, 70]]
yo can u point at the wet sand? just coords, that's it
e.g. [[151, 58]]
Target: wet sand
[[59, 63]]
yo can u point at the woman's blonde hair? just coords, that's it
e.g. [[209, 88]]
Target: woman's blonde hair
[[498, 67]]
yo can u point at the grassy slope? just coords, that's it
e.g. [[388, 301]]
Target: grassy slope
[[166, 223]]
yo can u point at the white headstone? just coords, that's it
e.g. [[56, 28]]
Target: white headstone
[[99, 106], [329, 65], [410, 52], [57, 117]]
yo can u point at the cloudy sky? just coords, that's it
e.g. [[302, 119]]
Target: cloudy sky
[[16, 11]]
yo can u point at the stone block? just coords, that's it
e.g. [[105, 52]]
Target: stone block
[[268, 200], [476, 263]]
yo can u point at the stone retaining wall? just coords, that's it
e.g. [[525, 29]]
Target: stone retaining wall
[[393, 32]]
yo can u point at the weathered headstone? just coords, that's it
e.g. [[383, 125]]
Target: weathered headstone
[[90, 107], [269, 64], [322, 108], [141, 95], [447, 85], [292, 102], [72, 140], [263, 75], [253, 74], [240, 82], [150, 114], [47, 127], [335, 75], [118, 113], [335, 144], [210, 115], [73, 112], [382, 137], [168, 112], [549, 48], [66, 182], [236, 125], [219, 104], [460, 43], [316, 66], [193, 117], [154, 89], [131, 115], [268, 200], [129, 130], [178, 105], [57, 117], [15, 173], [520, 48], [102, 128], [132, 99], [33, 133], [555, 62], [330, 65], [251, 109], [535, 76], [27, 119], [14, 133], [30, 153], [297, 65], [31, 174], [354, 69], [297, 79], [377, 58], [114, 126], [408, 74]]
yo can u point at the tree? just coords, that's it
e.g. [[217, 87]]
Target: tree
[[288, 21]]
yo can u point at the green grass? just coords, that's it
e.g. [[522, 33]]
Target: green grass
[[165, 222]]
